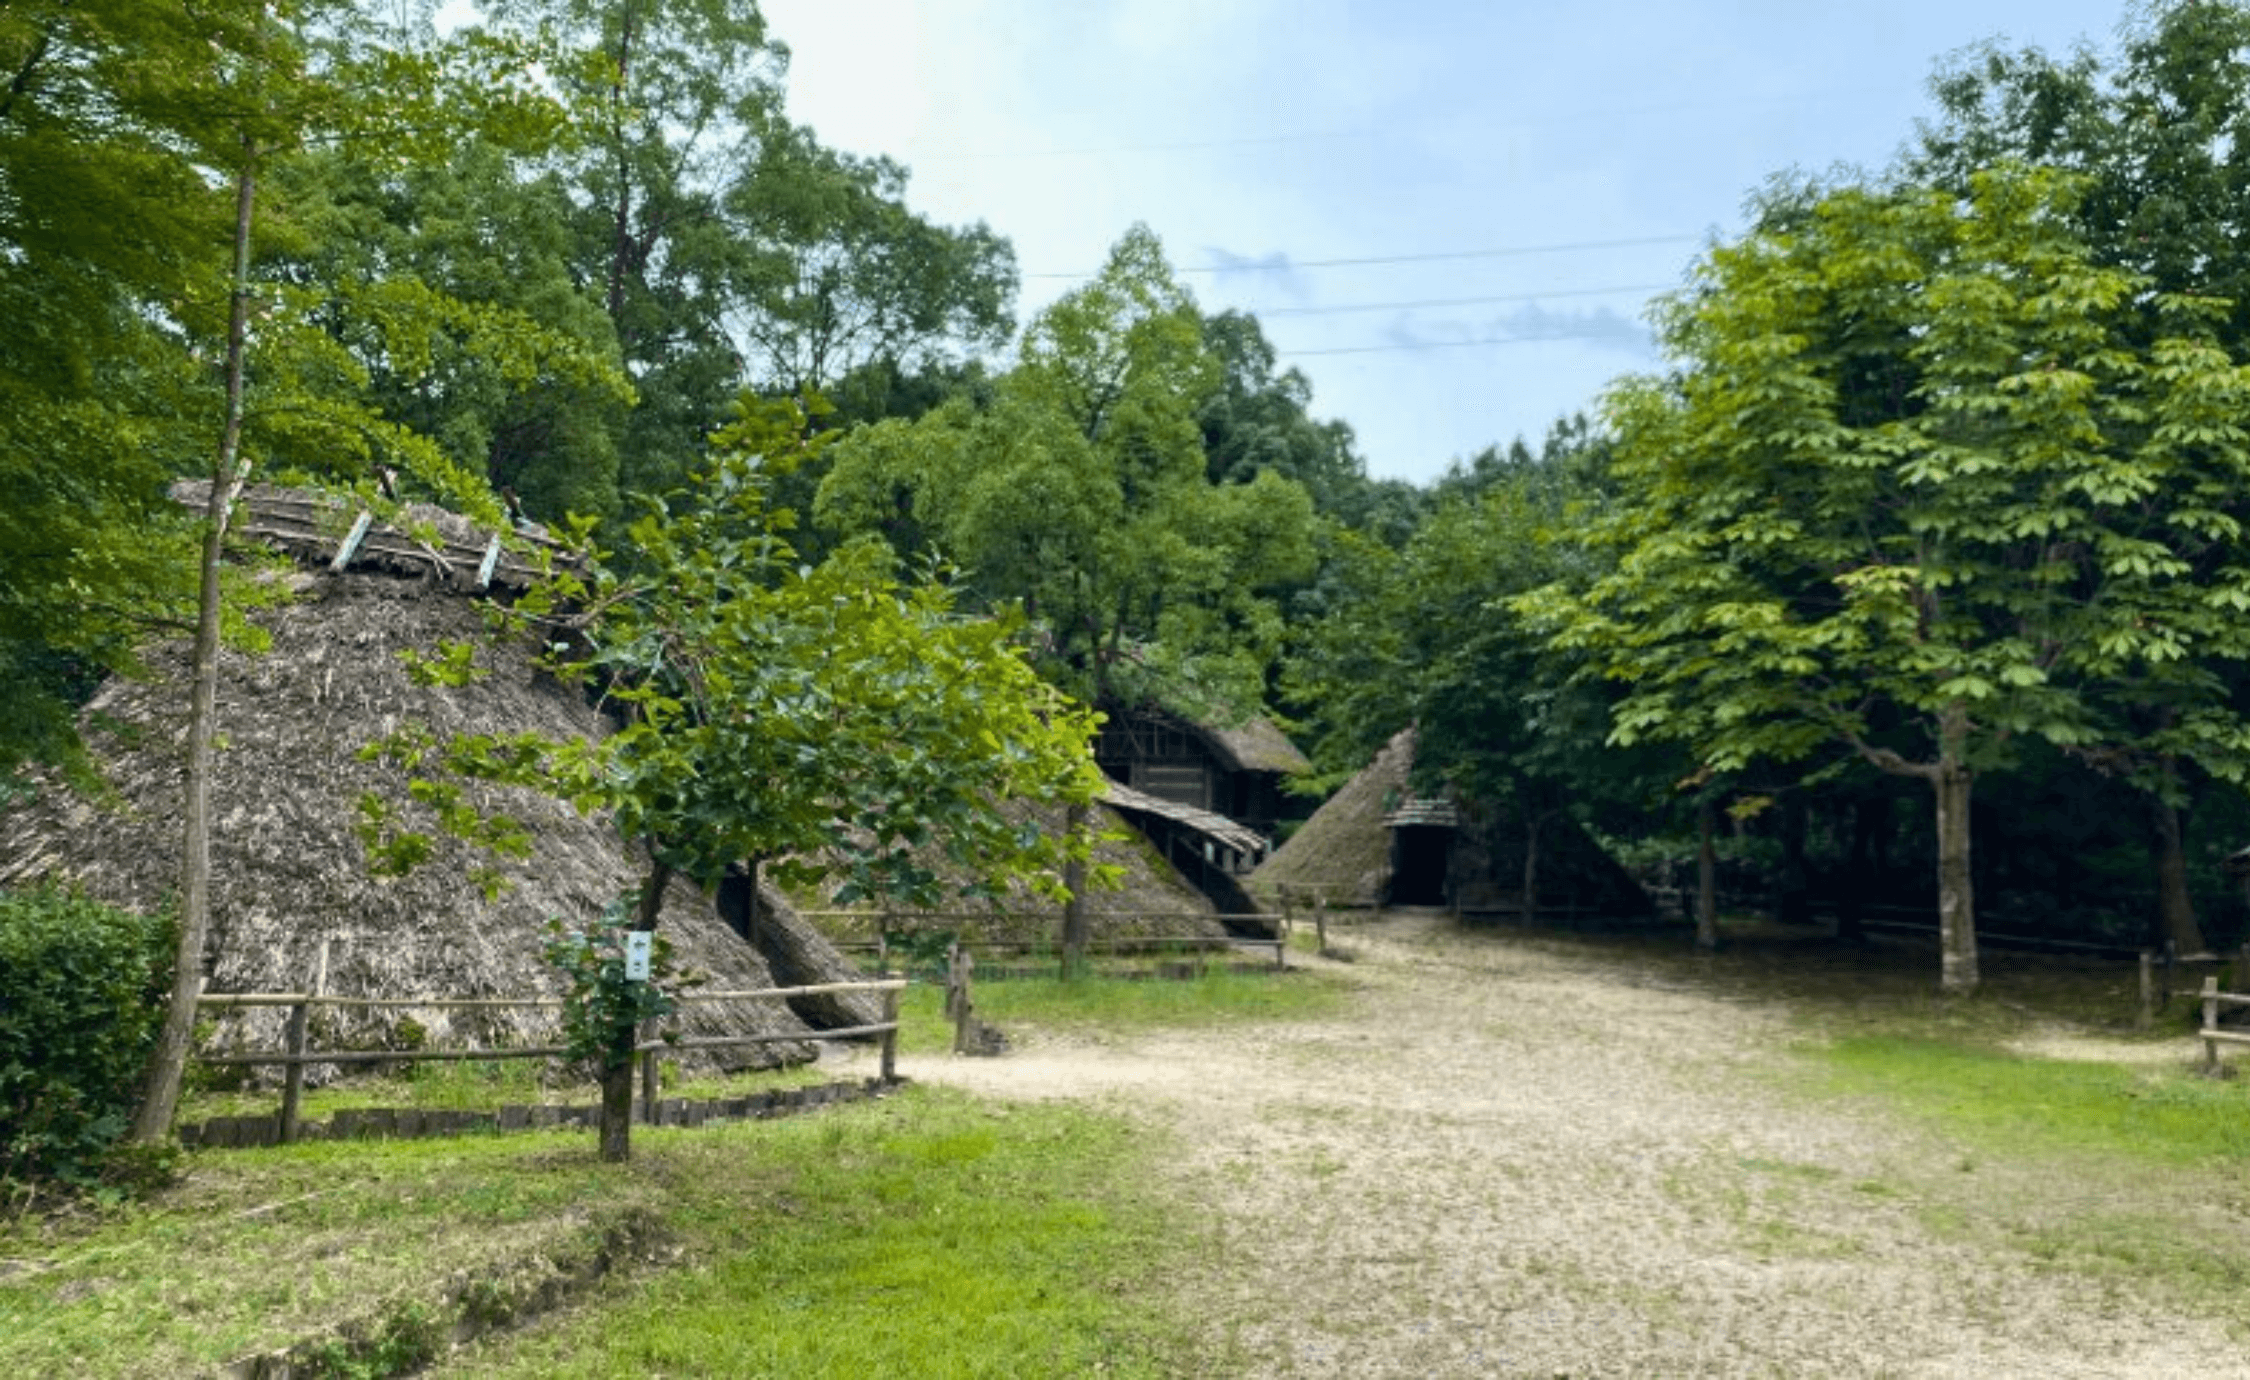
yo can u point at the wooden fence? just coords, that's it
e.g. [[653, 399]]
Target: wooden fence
[[2157, 976], [299, 1052], [1035, 931], [2211, 1035]]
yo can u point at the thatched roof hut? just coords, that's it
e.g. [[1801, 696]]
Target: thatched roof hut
[[1377, 843], [288, 868], [1151, 899], [1344, 851]]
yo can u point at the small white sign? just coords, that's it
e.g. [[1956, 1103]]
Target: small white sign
[[638, 946]]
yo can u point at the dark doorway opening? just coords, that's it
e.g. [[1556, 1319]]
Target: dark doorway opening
[[1418, 864]]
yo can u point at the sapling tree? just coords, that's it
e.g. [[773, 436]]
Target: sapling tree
[[835, 720]]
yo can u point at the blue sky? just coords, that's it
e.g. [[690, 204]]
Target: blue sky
[[1450, 216]]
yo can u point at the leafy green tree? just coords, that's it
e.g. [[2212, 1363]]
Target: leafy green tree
[[844, 276], [726, 245], [476, 227], [828, 717], [1427, 635], [1918, 492], [1081, 491], [101, 222], [293, 397], [1081, 494], [2157, 129]]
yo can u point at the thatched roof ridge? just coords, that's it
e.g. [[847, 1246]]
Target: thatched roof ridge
[[1344, 849], [320, 529], [1258, 745], [1152, 898], [288, 867]]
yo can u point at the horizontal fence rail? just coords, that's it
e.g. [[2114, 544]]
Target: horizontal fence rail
[[299, 1052], [1031, 931]]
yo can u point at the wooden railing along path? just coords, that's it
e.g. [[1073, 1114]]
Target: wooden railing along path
[[1034, 931], [299, 1052], [2211, 1035]]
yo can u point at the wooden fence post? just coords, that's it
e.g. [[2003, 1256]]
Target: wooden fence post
[[1320, 918], [2148, 989], [890, 1036], [649, 1074], [2210, 1023], [960, 971], [300, 1027]]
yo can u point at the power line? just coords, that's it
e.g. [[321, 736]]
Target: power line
[[1115, 150], [1513, 251], [1455, 301], [1448, 344]]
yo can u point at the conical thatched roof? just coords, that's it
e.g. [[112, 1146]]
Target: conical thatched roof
[[288, 868], [1152, 898], [1344, 850]]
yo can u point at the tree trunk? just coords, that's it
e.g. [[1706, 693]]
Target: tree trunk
[[617, 1062], [621, 245], [1531, 868], [160, 1091], [1794, 904], [1074, 923], [753, 914], [1957, 924], [1871, 822], [1706, 874], [2174, 901], [617, 1098]]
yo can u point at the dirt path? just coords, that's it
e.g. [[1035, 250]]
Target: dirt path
[[1506, 1160]]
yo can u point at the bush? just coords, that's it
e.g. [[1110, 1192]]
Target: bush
[[82, 994]]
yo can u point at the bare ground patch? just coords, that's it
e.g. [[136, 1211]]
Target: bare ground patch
[[1507, 1158]]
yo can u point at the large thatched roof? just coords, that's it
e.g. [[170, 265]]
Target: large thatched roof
[[1151, 897], [1344, 849], [289, 870], [1257, 746]]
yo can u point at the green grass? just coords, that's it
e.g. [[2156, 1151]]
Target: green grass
[[922, 1234], [477, 1086], [2006, 1103], [1110, 1005], [932, 1238]]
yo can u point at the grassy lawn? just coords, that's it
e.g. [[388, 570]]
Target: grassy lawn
[[920, 1234], [1110, 1005]]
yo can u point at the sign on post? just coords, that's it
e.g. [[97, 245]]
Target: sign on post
[[638, 945]]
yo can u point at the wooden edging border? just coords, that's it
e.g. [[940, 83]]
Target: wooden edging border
[[414, 1123]]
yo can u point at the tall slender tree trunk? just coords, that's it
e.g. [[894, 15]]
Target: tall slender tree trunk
[[617, 1060], [160, 1093], [1074, 924], [1957, 922], [1794, 904], [1531, 823], [1707, 874], [621, 243], [2174, 902], [1871, 823]]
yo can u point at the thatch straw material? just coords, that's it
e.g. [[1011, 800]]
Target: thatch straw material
[[1257, 746], [1344, 850], [1152, 900], [289, 871], [317, 528]]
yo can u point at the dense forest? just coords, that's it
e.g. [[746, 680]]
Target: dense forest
[[1917, 578]]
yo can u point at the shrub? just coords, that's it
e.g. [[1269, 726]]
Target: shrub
[[82, 994]]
